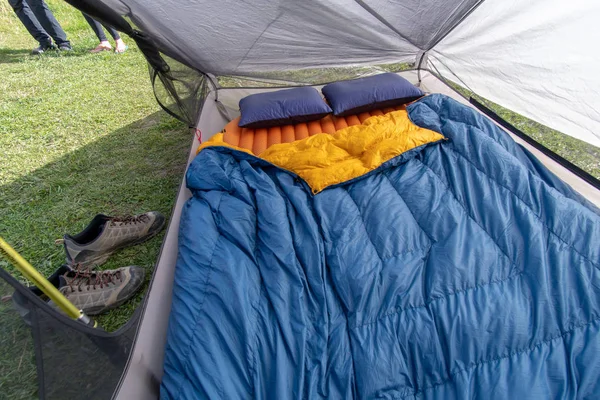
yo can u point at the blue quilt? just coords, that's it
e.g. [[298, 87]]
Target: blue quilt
[[462, 269]]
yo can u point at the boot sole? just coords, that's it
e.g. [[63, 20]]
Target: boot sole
[[92, 312]]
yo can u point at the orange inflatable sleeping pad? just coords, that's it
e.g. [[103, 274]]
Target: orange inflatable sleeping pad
[[258, 140]]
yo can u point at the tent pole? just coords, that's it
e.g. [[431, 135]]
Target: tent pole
[[42, 283]]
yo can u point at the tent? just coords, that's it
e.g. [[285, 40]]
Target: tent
[[535, 58]]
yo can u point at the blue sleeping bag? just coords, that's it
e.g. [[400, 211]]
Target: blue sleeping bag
[[464, 270]]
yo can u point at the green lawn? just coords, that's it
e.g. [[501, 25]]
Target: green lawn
[[79, 134]]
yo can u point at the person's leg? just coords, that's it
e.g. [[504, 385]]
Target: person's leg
[[96, 27], [113, 32], [24, 13], [120, 46], [50, 24]]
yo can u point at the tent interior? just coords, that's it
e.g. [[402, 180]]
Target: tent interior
[[146, 364], [535, 58]]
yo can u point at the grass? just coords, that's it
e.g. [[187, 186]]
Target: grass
[[79, 134]]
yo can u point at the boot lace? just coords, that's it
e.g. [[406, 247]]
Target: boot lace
[[132, 219], [93, 279]]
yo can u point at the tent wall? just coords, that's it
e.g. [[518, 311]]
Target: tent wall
[[64, 355], [141, 378], [539, 58], [143, 374], [432, 84]]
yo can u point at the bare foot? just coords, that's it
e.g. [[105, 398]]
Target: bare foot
[[103, 46], [120, 46]]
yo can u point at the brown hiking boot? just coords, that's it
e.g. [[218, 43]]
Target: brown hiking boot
[[97, 292], [105, 235]]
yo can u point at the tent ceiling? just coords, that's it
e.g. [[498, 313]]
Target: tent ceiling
[[536, 57], [422, 23], [232, 37]]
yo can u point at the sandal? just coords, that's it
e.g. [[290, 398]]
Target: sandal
[[102, 47]]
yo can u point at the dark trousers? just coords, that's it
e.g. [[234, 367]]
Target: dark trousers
[[97, 28], [39, 21]]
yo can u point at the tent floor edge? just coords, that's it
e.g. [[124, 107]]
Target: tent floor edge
[[593, 181]]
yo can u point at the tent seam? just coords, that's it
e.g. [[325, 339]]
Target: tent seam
[[385, 22], [452, 72], [256, 41], [460, 21]]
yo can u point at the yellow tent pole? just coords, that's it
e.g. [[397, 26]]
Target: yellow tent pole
[[44, 285]]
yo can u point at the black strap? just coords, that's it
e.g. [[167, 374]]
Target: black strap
[[559, 159], [102, 13]]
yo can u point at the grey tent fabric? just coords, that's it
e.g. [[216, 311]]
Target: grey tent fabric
[[69, 359], [539, 58], [421, 23], [253, 38]]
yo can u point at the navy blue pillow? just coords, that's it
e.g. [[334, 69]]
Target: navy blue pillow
[[283, 107], [370, 93]]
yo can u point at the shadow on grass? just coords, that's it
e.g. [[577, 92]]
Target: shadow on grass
[[11, 56], [134, 169], [8, 56]]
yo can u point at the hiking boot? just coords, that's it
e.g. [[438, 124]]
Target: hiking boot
[[97, 292], [105, 235], [42, 48]]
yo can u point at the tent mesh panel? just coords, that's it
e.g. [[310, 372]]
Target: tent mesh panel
[[181, 91], [18, 373], [309, 76], [69, 360]]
